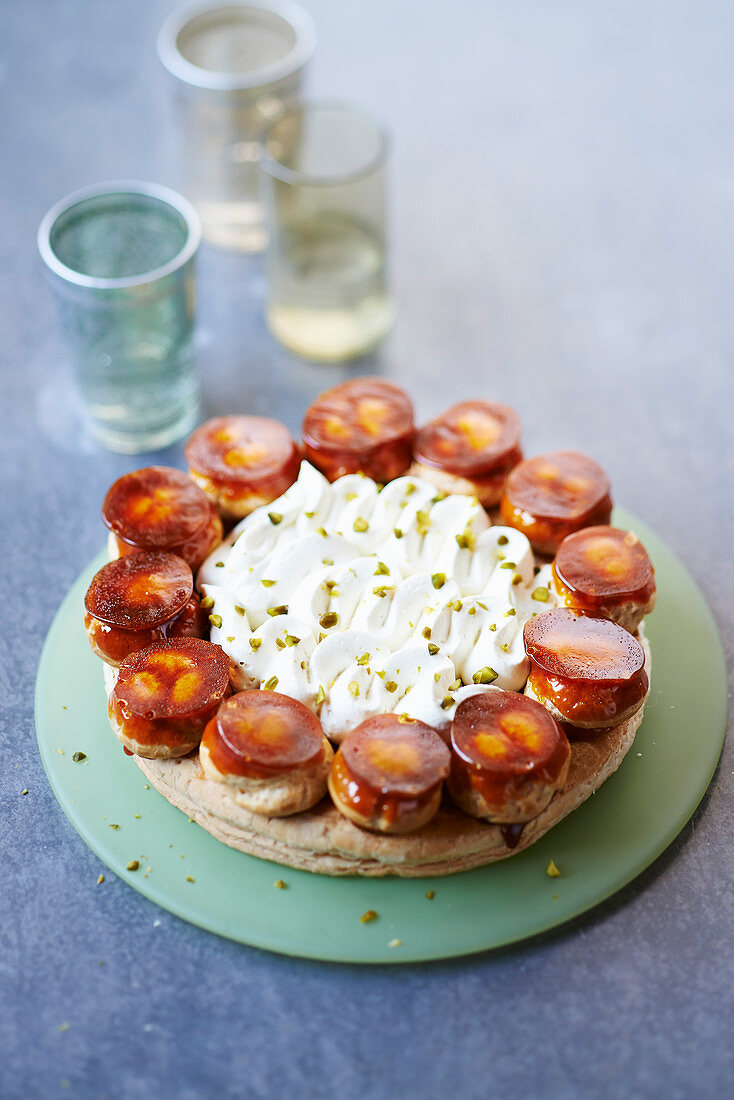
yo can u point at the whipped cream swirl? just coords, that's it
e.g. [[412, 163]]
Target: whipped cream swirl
[[359, 601]]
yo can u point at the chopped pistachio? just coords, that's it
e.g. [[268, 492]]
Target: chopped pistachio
[[78, 757], [360, 525], [368, 916], [100, 880], [24, 791], [353, 688], [219, 564], [303, 665], [427, 633], [215, 620], [383, 590], [382, 570], [510, 611], [320, 696], [540, 594], [321, 636], [363, 659], [397, 532], [438, 580], [279, 884], [395, 943], [230, 638], [327, 561], [114, 826], [430, 894], [291, 640], [436, 677], [410, 488], [275, 518], [509, 565], [321, 531], [472, 611], [505, 647], [440, 495], [502, 540], [133, 865], [280, 643], [207, 602], [190, 878], [238, 609], [447, 702], [432, 648], [552, 871], [423, 522], [255, 643], [279, 609], [266, 583], [381, 674], [309, 515], [271, 684], [493, 626], [536, 569], [329, 618], [456, 684], [350, 496], [517, 578], [484, 676], [391, 686]]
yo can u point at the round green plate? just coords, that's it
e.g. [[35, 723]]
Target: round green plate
[[598, 849]]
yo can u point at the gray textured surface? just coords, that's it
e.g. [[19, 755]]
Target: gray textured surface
[[563, 188]]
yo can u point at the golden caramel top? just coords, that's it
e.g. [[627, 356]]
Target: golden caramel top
[[358, 416], [173, 679], [140, 591], [472, 438], [243, 449], [259, 734], [504, 733], [604, 565], [575, 646], [561, 485], [155, 508], [402, 758]]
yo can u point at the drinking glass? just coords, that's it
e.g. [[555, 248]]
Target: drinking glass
[[327, 291], [237, 67], [120, 257]]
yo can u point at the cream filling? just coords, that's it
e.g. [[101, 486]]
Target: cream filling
[[359, 601]]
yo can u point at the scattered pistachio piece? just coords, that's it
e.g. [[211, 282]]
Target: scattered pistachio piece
[[432, 648], [24, 791], [363, 659], [540, 594], [291, 640], [100, 880], [267, 583], [78, 757], [360, 525], [255, 643], [353, 688], [368, 916], [430, 894], [190, 878], [395, 943], [279, 609], [329, 618], [238, 609], [271, 684], [279, 884], [133, 865], [215, 620], [456, 684], [502, 540], [382, 570], [320, 696], [397, 532], [552, 871], [484, 675], [510, 611], [275, 518], [438, 580], [207, 602], [391, 686], [517, 578], [447, 702]]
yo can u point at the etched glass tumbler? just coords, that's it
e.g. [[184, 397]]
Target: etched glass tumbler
[[237, 66], [120, 257], [326, 263]]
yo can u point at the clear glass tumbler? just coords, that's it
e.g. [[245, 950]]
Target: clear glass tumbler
[[238, 67], [327, 293], [120, 257]]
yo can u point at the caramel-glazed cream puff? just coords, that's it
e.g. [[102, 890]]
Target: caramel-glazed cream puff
[[388, 774], [469, 449], [553, 495], [269, 750], [607, 572], [242, 462], [165, 695], [588, 672], [509, 757], [361, 426], [140, 599], [160, 508]]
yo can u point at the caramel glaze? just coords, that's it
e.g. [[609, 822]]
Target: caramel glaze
[[361, 426], [259, 735], [179, 734], [443, 445], [113, 644], [370, 803], [500, 786], [551, 496], [267, 475], [591, 703], [599, 568], [194, 550]]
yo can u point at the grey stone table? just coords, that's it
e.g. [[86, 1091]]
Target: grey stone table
[[563, 189]]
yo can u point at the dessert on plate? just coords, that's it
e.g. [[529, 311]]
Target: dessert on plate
[[377, 674]]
